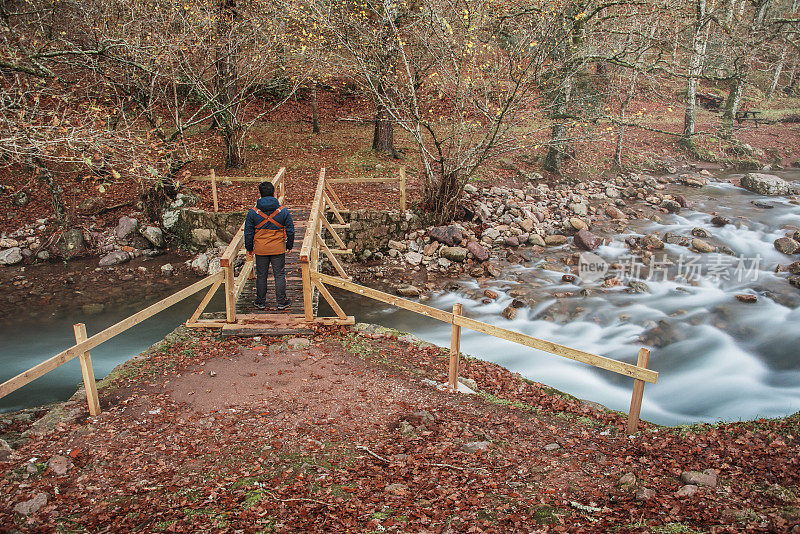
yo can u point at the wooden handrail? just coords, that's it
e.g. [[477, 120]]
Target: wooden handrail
[[313, 218], [76, 350]]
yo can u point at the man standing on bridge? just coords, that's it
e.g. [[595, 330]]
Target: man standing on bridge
[[269, 234]]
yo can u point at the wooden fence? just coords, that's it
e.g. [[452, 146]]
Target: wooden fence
[[327, 202], [83, 345]]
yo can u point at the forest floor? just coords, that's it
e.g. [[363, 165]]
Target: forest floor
[[346, 431]]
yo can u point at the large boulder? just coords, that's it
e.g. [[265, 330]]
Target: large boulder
[[154, 235], [702, 246], [478, 251], [70, 244], [125, 226], [587, 240], [787, 245], [10, 256], [458, 254], [766, 184], [447, 235]]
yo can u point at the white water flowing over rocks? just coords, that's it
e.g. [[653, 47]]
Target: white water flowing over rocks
[[718, 358]]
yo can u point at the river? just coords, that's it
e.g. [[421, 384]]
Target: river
[[718, 358]]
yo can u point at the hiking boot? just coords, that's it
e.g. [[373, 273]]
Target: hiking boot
[[285, 305], [260, 305]]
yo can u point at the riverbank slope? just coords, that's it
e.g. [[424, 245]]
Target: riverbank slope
[[347, 431]]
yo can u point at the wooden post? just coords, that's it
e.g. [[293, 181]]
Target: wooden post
[[402, 189], [308, 292], [87, 371], [230, 294], [455, 349], [638, 391], [214, 190]]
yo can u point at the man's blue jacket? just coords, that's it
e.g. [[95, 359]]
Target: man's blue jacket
[[268, 205]]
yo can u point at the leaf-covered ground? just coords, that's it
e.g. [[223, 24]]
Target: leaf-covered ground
[[347, 434]]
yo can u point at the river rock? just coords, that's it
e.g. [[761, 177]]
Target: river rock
[[457, 254], [10, 256], [447, 235], [70, 244], [397, 245], [511, 241], [636, 286], [707, 478], [478, 251], [200, 263], [484, 213], [719, 220], [488, 293], [615, 213], [91, 206], [114, 258], [431, 248], [587, 241], [154, 235], [536, 240], [628, 479], [578, 224], [787, 245], [702, 233], [686, 491], [491, 233], [476, 446], [125, 226], [169, 218], [580, 209], [407, 290], [644, 494], [31, 506], [744, 297], [766, 184], [795, 281], [671, 206], [653, 242], [414, 258], [167, 269], [59, 464], [8, 243], [555, 240], [794, 268], [510, 313], [702, 246], [528, 225]]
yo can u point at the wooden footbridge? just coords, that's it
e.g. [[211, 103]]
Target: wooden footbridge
[[317, 226]]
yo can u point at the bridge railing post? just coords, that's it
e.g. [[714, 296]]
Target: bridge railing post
[[230, 294], [455, 349]]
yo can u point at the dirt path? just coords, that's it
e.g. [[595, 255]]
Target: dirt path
[[346, 432]]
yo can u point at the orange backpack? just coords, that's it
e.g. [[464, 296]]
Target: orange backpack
[[267, 241]]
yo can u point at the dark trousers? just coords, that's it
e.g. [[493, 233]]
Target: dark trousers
[[278, 263]]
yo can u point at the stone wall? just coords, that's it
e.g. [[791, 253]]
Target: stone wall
[[199, 229], [371, 230]]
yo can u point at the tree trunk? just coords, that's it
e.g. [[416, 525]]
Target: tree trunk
[[383, 136], [733, 100], [777, 76], [233, 139], [793, 79], [55, 195], [442, 193], [554, 160], [314, 111], [699, 40], [227, 81]]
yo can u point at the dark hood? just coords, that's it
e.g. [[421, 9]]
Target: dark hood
[[267, 204]]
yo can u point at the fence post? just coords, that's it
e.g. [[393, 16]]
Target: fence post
[[230, 294], [402, 189], [87, 371], [455, 349], [308, 295], [214, 190], [638, 391]]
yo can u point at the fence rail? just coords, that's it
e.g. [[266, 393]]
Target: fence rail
[[314, 280]]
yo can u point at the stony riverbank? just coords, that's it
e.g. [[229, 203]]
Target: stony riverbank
[[347, 430]]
